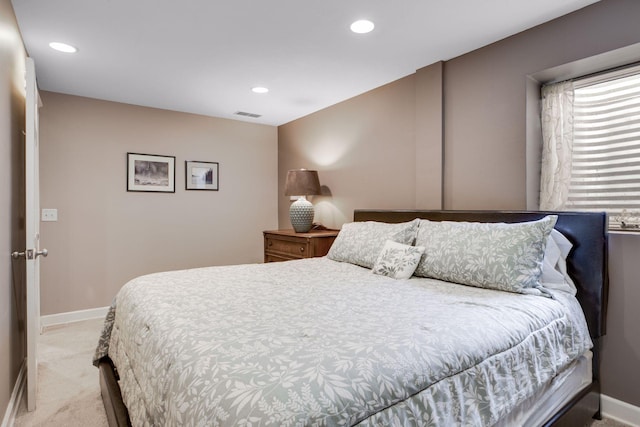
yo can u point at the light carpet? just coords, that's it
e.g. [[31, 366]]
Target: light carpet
[[68, 392], [68, 385]]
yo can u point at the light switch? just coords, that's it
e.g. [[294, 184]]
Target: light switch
[[49, 214]]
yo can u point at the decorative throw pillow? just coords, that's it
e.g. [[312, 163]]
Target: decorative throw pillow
[[506, 257], [398, 261], [360, 243]]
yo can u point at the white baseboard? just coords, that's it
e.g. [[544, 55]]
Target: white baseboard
[[620, 411], [72, 316], [16, 397]]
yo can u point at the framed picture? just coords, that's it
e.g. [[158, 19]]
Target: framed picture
[[201, 175], [150, 172]]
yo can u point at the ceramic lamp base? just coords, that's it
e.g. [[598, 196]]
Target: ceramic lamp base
[[301, 215]]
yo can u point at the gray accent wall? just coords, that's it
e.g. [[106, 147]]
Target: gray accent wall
[[457, 131], [621, 346], [485, 100], [12, 237]]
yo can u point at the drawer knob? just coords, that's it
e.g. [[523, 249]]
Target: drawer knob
[[270, 243], [301, 248]]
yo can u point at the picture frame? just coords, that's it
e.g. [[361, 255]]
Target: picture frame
[[151, 173], [201, 175]]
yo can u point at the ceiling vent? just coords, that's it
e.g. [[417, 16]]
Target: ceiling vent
[[244, 113]]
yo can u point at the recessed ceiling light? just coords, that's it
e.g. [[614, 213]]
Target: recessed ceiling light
[[63, 47], [260, 89], [362, 26]]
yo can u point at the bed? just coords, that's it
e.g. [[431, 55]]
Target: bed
[[325, 342]]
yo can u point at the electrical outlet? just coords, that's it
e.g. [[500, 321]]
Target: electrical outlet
[[49, 214]]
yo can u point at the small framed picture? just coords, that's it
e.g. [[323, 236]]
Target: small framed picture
[[151, 173], [201, 175]]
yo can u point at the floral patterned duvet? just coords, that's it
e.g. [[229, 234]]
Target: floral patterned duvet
[[317, 342]]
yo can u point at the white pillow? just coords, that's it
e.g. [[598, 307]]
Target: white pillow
[[554, 267], [552, 255], [398, 261]]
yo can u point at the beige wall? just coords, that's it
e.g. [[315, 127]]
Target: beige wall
[[364, 147], [105, 235], [12, 287], [355, 156], [483, 137]]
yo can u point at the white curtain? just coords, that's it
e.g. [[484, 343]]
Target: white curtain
[[557, 145]]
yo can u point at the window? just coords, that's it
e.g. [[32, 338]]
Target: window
[[605, 147]]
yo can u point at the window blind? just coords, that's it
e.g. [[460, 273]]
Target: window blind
[[605, 170]]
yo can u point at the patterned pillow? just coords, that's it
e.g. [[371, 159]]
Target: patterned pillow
[[360, 243], [507, 257], [398, 261]]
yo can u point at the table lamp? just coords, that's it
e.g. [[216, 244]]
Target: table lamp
[[301, 183]]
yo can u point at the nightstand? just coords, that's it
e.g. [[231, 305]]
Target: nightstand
[[284, 245]]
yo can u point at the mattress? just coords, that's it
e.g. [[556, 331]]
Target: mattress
[[318, 342]]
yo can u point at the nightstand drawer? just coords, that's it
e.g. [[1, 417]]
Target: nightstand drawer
[[285, 245]]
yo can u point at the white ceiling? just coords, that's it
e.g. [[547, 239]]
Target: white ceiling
[[204, 56]]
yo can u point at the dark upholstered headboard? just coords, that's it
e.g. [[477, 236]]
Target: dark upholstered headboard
[[586, 263]]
